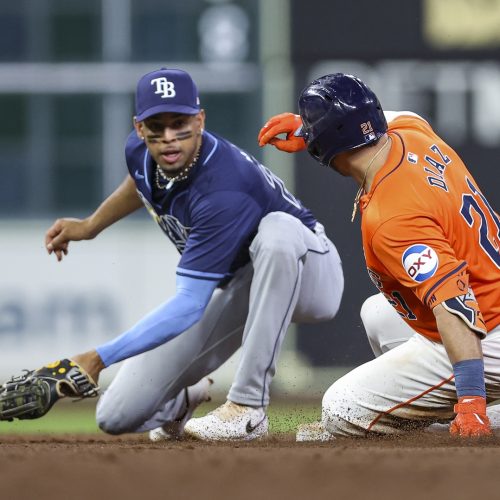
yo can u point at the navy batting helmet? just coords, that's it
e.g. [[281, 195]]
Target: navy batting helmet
[[339, 112]]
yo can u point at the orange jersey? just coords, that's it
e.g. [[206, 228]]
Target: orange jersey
[[429, 234]]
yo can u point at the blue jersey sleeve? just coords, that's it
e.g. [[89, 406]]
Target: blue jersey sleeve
[[223, 222], [164, 323]]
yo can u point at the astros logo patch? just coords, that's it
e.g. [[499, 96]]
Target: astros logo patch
[[420, 262], [412, 158]]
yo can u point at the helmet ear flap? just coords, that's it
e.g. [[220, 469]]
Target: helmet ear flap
[[314, 150]]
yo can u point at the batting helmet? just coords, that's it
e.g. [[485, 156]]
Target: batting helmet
[[339, 112]]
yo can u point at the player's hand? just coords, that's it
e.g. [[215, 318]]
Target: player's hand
[[471, 419], [33, 394], [285, 123], [63, 231]]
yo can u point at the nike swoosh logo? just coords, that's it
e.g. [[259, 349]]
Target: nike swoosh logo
[[137, 175], [250, 428]]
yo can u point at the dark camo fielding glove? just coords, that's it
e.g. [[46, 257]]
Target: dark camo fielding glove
[[33, 394]]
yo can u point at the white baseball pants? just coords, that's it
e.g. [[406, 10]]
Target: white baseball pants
[[410, 384]]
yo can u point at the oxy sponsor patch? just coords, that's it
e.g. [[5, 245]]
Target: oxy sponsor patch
[[420, 262]]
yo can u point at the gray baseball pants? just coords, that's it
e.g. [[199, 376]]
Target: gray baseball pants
[[295, 274]]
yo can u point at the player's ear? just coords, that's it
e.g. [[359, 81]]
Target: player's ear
[[139, 129], [201, 117]]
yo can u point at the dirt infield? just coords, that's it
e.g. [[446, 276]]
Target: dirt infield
[[101, 467]]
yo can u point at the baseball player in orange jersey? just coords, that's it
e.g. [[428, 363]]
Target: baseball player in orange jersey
[[431, 243]]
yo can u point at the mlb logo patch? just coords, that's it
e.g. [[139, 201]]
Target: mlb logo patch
[[420, 262], [412, 158]]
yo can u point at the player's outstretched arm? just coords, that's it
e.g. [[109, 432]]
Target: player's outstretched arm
[[463, 346], [118, 205], [284, 123], [33, 394]]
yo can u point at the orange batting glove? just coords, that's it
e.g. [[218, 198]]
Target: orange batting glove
[[471, 419], [285, 123]]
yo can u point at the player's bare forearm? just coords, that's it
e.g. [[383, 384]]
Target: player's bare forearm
[[459, 340], [463, 346], [119, 204], [91, 362], [122, 202]]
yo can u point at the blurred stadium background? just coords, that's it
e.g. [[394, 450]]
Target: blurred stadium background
[[67, 75]]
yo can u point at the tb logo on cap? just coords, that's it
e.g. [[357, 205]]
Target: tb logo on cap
[[164, 87]]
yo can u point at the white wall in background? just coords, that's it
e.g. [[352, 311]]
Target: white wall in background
[[50, 309]]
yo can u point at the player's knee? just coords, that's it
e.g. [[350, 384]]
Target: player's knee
[[338, 413], [384, 327], [112, 420], [374, 318], [338, 426], [370, 313], [109, 422]]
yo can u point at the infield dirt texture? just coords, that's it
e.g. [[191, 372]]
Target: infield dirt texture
[[95, 467]]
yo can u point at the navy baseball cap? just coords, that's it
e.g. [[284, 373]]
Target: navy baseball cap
[[166, 91]]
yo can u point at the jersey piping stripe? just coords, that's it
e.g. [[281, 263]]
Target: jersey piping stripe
[[206, 278], [189, 272], [283, 321], [280, 332], [404, 403], [145, 168], [213, 149], [444, 278], [317, 252]]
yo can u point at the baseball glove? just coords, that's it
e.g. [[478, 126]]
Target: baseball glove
[[33, 394]]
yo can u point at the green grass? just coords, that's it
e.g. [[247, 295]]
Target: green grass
[[64, 417], [284, 418], [79, 418]]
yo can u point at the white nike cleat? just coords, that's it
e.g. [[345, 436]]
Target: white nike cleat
[[313, 432], [229, 422], [195, 395]]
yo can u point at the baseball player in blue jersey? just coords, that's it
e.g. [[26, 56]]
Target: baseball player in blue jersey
[[252, 260]]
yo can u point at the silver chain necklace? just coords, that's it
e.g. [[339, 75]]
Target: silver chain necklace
[[361, 189], [161, 177]]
